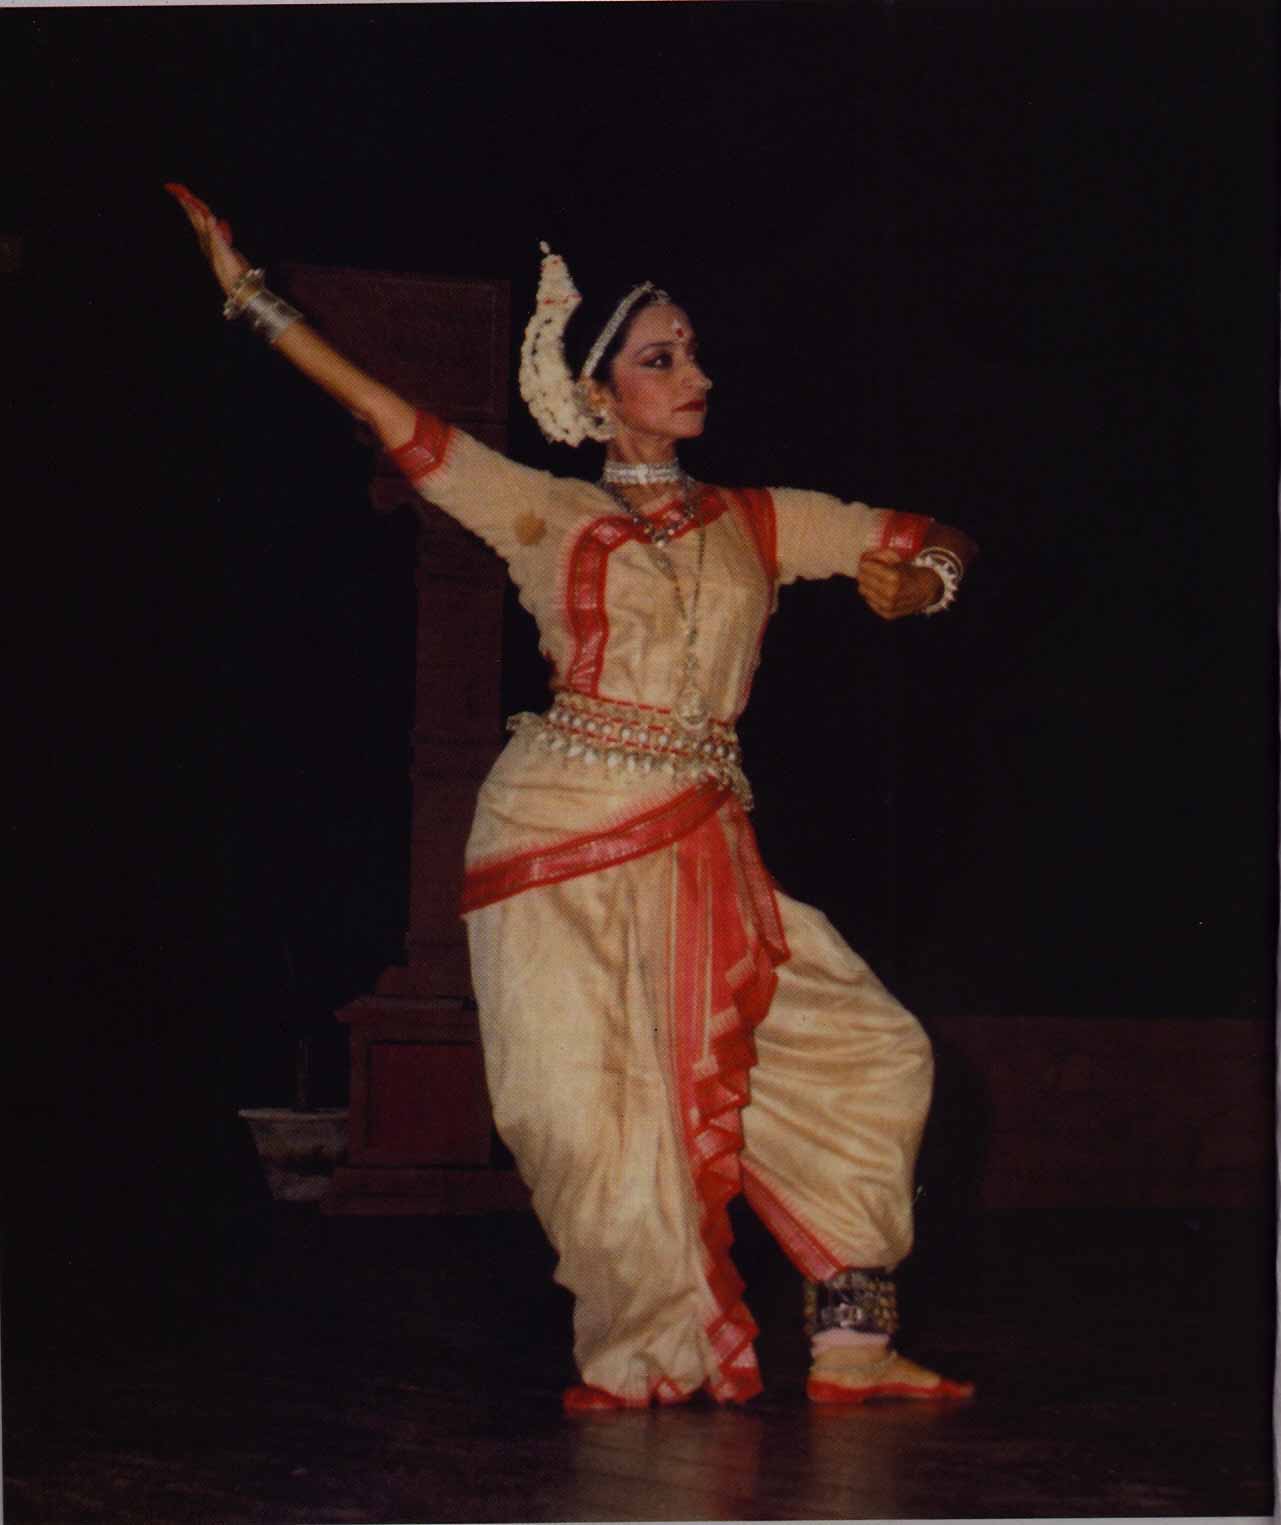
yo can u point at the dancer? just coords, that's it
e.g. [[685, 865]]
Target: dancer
[[662, 1027]]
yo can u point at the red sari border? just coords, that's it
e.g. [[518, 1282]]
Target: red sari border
[[724, 954], [585, 614], [588, 566], [486, 883], [800, 1244], [756, 504]]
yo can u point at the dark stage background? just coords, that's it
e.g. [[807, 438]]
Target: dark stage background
[[1014, 266]]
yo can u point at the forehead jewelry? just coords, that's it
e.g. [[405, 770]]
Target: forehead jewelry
[[615, 323]]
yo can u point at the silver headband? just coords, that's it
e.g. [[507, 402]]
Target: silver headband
[[616, 322]]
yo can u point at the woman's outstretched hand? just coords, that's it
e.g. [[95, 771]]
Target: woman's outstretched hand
[[892, 587], [214, 235], [390, 415]]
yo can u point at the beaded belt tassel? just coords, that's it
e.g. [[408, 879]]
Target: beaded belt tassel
[[866, 1301]]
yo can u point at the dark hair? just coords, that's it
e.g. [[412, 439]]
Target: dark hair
[[586, 326]]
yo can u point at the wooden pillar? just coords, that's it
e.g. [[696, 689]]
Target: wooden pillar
[[421, 1134]]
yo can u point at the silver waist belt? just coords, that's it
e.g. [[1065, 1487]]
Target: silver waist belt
[[635, 742]]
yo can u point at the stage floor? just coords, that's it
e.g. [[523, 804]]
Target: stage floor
[[303, 1368]]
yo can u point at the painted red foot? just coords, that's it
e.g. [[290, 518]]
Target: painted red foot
[[581, 1399], [837, 1392], [832, 1380], [584, 1399]]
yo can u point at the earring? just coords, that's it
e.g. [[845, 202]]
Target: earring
[[601, 425]]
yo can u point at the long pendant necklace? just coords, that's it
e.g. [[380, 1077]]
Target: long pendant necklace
[[691, 709]]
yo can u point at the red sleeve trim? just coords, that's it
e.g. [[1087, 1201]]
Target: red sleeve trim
[[905, 533], [424, 451]]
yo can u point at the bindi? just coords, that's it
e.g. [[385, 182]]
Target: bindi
[[678, 328]]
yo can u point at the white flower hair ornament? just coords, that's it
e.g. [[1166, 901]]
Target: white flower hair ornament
[[558, 401]]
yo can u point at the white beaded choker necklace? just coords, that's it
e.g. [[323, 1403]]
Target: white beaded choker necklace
[[641, 473]]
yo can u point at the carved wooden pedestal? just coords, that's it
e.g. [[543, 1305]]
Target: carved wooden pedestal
[[421, 1135]]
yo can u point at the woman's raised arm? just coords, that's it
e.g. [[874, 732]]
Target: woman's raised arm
[[387, 413]]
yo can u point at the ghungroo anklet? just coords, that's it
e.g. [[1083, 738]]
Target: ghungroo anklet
[[864, 1301]]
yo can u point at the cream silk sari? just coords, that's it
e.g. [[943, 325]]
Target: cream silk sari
[[662, 1027]]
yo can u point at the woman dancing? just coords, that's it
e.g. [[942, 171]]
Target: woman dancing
[[663, 1028]]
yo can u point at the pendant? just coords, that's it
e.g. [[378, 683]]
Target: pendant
[[691, 709]]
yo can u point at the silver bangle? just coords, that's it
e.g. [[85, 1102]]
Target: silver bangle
[[269, 315], [948, 567], [247, 286]]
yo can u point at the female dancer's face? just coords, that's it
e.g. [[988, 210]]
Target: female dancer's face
[[657, 392]]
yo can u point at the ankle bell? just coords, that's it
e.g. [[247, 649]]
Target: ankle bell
[[865, 1301]]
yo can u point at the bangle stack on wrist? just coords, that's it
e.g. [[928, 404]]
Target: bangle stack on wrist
[[948, 568], [267, 314], [248, 284]]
